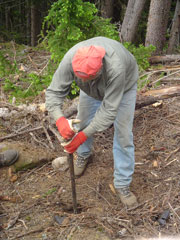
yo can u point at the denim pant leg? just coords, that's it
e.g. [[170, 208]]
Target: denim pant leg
[[123, 147], [86, 110]]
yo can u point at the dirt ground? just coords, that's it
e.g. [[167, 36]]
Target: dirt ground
[[37, 203], [41, 194]]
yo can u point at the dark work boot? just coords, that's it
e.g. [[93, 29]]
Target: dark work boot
[[8, 157], [127, 197]]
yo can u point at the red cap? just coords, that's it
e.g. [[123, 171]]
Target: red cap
[[87, 61]]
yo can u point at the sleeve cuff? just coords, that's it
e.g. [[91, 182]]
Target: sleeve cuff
[[56, 115], [89, 131]]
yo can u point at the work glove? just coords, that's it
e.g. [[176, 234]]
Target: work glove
[[74, 143], [66, 128]]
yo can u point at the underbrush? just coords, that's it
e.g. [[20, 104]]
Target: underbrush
[[24, 85]]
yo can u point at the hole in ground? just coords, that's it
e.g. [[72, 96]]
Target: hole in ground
[[69, 208]]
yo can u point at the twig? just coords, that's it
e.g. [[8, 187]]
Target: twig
[[56, 133], [20, 220], [14, 50], [13, 221], [9, 105], [110, 232], [22, 128], [33, 63], [73, 229], [43, 68], [28, 233], [149, 73], [36, 140], [20, 133], [48, 138], [172, 79], [99, 195], [119, 222], [29, 87], [31, 172], [173, 152], [170, 162], [174, 211], [165, 77]]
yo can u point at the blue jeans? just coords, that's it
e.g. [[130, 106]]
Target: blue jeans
[[123, 147]]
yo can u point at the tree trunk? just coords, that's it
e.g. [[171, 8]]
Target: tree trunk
[[175, 30], [107, 8], [7, 15], [28, 22], [35, 24], [157, 24], [131, 19]]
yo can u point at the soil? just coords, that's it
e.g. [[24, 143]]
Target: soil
[[37, 203]]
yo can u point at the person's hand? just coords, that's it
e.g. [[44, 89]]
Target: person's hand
[[66, 128], [72, 145]]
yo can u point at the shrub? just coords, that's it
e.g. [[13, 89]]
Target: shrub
[[70, 22]]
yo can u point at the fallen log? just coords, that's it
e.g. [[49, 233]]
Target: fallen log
[[152, 96], [164, 59], [143, 99], [164, 93]]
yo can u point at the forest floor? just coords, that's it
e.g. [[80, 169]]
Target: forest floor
[[33, 201]]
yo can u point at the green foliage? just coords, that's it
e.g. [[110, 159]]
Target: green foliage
[[70, 22], [19, 84], [49, 192], [28, 86], [74, 90], [28, 218], [143, 82], [141, 54], [6, 67]]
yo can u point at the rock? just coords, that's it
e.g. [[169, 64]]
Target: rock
[[60, 164]]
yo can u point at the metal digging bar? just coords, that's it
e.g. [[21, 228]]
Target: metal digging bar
[[73, 184]]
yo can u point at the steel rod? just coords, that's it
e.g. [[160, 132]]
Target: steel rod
[[73, 185]]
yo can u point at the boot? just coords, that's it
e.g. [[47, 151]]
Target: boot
[[127, 197], [80, 165], [8, 157]]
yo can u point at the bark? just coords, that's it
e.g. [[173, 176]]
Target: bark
[[131, 19], [164, 59], [164, 92], [175, 30], [35, 24], [7, 16], [28, 22], [157, 24], [20, 23], [107, 8], [152, 96]]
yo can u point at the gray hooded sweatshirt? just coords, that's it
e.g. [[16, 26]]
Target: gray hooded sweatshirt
[[119, 74]]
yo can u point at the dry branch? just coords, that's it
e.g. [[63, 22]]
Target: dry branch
[[20, 133], [28, 233]]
